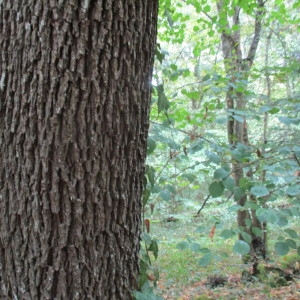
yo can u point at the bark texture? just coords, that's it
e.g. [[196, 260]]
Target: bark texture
[[74, 104]]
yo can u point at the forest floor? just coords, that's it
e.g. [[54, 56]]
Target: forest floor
[[182, 278], [233, 289]]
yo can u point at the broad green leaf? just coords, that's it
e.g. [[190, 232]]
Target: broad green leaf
[[227, 234], [205, 250], [216, 189], [241, 247], [214, 158], [206, 77], [196, 146], [195, 247], [291, 243], [282, 220], [259, 191], [183, 245], [289, 121], [220, 173], [256, 231], [293, 190], [246, 236], [229, 183], [147, 291], [292, 233], [189, 176], [281, 248], [239, 193], [206, 8], [239, 118], [245, 183], [205, 260]]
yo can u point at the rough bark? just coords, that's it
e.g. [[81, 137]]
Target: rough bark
[[74, 105]]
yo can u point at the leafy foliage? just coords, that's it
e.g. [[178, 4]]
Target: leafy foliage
[[190, 158]]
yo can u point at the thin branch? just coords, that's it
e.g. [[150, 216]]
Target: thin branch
[[203, 204]]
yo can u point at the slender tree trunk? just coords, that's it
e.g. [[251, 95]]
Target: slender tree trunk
[[237, 69], [74, 106]]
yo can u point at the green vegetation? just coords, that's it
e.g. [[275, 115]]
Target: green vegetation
[[222, 192]]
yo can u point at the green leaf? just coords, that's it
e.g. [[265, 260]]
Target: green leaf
[[146, 238], [195, 247], [151, 145], [241, 247], [206, 77], [229, 183], [206, 8], [239, 193], [256, 231], [227, 234], [291, 243], [146, 196], [154, 248], [246, 236], [146, 293], [220, 173], [189, 176], [293, 190], [183, 245], [292, 233], [216, 189], [150, 174], [281, 248], [165, 195], [163, 103], [205, 260], [259, 191], [289, 121], [214, 158], [196, 146], [282, 221]]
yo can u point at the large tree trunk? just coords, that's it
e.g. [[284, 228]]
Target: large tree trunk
[[74, 104]]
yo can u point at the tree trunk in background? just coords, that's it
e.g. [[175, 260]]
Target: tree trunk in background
[[237, 69], [74, 106]]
